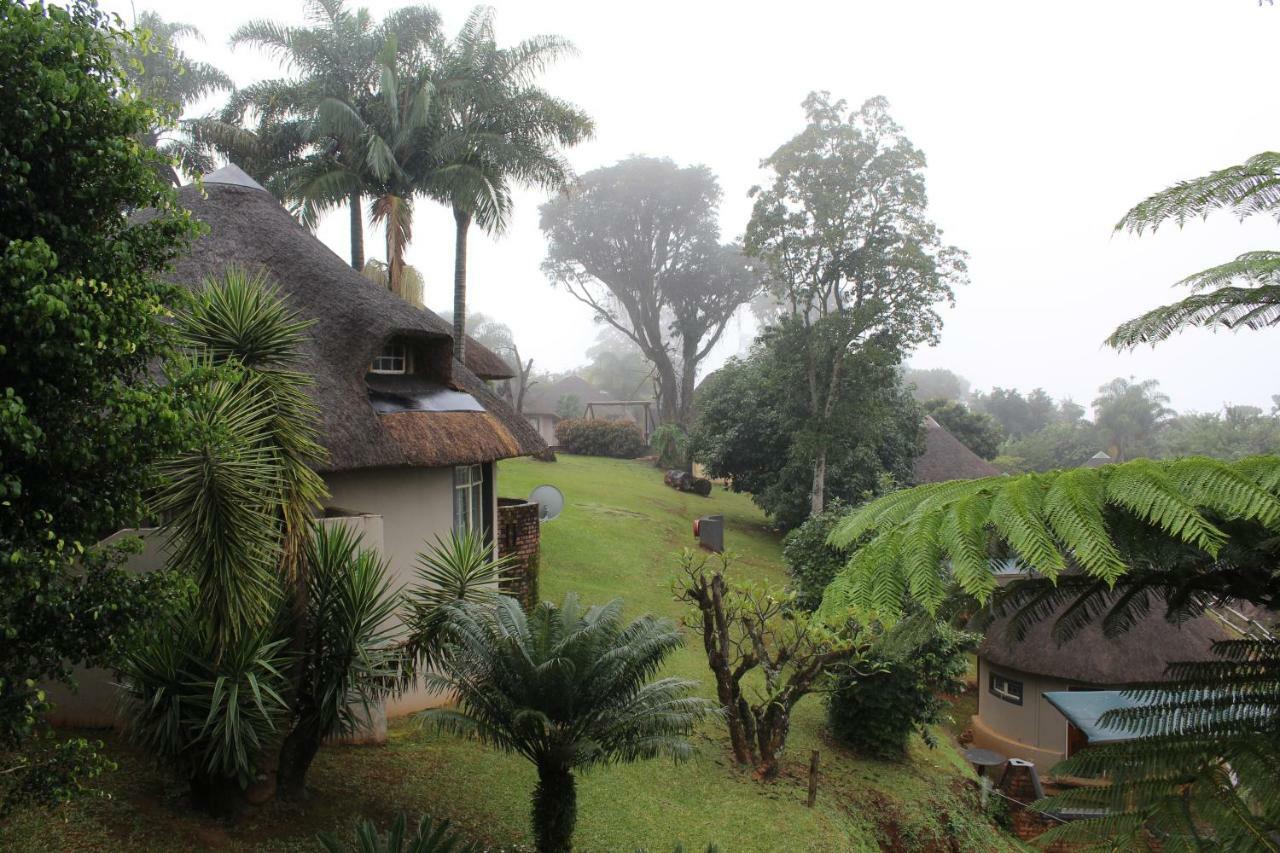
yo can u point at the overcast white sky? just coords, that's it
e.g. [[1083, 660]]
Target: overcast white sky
[[1042, 122]]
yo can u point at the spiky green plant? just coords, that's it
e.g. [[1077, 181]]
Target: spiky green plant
[[429, 837], [1243, 293], [569, 688]]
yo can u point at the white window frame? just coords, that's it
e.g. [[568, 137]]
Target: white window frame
[[395, 359], [1002, 687], [468, 498]]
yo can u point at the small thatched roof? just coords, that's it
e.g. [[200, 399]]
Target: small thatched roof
[[946, 458], [1140, 654], [352, 318]]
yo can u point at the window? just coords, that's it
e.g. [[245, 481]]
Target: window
[[1006, 688], [468, 498], [394, 358]]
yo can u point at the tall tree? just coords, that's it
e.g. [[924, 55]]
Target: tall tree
[[81, 320], [1128, 414], [639, 243], [935, 383], [162, 73], [1244, 292], [498, 129], [844, 233], [1018, 415], [617, 367], [389, 138], [336, 56]]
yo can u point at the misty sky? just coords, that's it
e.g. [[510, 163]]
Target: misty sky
[[1042, 123]]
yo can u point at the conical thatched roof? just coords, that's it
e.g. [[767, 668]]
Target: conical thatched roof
[[1140, 654], [946, 458], [353, 319]]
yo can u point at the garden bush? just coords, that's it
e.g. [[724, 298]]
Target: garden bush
[[589, 437], [811, 562], [875, 714], [671, 445]]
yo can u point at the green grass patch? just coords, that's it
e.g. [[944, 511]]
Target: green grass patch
[[616, 538]]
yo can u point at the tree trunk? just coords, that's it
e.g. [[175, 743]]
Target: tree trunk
[[818, 493], [218, 796], [716, 639], [354, 201], [296, 754], [555, 810], [462, 220]]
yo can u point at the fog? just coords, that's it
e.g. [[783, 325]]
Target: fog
[[1043, 123]]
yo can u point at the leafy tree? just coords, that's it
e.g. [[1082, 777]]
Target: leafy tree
[[1059, 445], [567, 688], [1128, 415], [1233, 433], [1070, 412], [935, 383], [754, 429], [1244, 292], [811, 561], [337, 57], [639, 243], [171, 81], [498, 129], [81, 420], [1016, 414], [905, 678], [976, 431], [843, 233], [569, 406]]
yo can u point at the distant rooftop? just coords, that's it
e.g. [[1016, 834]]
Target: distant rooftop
[[234, 175]]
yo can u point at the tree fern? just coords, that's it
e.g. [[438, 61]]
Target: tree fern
[[1093, 521]]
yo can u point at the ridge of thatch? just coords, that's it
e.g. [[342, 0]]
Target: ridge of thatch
[[351, 319], [945, 458], [1141, 654]]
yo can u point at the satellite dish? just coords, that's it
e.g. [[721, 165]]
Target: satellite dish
[[550, 501]]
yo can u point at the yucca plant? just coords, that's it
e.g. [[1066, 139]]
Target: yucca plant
[[349, 661], [460, 566], [428, 837], [1243, 293], [569, 689]]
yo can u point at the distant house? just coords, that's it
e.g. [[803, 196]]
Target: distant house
[[1016, 720], [542, 403], [945, 457], [412, 434]]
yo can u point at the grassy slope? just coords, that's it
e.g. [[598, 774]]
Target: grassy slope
[[616, 538]]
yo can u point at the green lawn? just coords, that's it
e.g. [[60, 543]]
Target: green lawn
[[616, 537]]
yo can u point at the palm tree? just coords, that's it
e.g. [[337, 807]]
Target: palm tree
[[497, 129], [337, 57], [1244, 292], [388, 141], [1128, 414], [567, 688], [172, 81]]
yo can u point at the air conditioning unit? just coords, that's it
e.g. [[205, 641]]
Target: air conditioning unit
[[709, 531]]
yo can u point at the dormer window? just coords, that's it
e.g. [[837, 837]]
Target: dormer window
[[394, 359]]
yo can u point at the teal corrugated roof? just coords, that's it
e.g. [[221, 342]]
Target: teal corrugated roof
[[1083, 708]]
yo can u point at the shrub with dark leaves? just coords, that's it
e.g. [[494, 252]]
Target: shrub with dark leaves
[[591, 437]]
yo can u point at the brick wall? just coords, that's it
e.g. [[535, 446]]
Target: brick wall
[[518, 535]]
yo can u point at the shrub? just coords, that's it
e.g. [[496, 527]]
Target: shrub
[[590, 437], [671, 445], [811, 562], [429, 837], [918, 661]]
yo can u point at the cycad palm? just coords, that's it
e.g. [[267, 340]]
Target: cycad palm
[[497, 129], [1243, 293], [569, 689]]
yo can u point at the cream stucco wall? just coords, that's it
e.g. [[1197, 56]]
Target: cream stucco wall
[[546, 427], [1034, 731], [416, 505]]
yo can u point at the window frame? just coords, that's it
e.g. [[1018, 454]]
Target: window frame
[[1012, 690], [389, 353], [469, 498]]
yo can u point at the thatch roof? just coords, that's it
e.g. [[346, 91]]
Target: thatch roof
[[946, 458], [1140, 654], [353, 318]]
